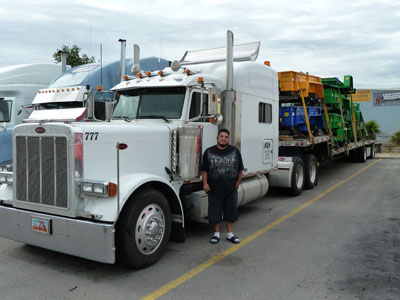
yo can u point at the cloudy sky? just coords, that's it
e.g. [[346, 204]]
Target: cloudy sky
[[324, 38]]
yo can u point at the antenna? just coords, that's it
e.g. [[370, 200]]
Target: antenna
[[101, 64]]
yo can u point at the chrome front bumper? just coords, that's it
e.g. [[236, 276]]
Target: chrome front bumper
[[94, 241]]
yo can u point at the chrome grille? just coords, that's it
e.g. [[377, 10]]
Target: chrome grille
[[42, 170]]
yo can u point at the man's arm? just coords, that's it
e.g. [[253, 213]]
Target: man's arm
[[239, 179], [206, 187]]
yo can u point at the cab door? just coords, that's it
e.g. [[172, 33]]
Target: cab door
[[210, 130]]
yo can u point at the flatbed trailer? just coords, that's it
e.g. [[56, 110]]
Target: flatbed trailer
[[308, 132]]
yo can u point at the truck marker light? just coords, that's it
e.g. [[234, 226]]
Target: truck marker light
[[148, 73], [62, 90], [67, 90], [40, 130], [200, 80], [73, 89], [112, 189], [125, 77], [122, 146], [187, 71], [99, 88], [58, 91], [160, 73], [267, 63], [139, 75]]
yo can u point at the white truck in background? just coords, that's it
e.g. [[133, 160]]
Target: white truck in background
[[120, 189], [18, 87]]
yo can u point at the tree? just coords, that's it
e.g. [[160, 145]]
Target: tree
[[373, 128], [73, 58], [395, 139]]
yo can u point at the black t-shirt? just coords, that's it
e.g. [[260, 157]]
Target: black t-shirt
[[222, 167]]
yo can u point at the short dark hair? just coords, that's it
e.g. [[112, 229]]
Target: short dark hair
[[224, 130]]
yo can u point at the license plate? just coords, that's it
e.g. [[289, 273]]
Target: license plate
[[41, 225]]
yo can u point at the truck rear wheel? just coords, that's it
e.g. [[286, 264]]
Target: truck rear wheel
[[372, 153], [298, 175], [143, 230], [362, 154], [311, 171]]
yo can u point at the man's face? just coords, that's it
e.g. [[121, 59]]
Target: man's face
[[223, 139]]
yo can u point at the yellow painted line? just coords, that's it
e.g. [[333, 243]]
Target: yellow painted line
[[193, 272]]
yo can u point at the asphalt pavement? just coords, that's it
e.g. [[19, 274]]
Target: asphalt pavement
[[340, 240]]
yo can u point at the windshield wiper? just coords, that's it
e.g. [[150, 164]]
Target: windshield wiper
[[154, 117], [125, 118]]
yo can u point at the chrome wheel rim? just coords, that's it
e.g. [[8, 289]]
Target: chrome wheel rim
[[150, 229], [299, 176], [313, 171]]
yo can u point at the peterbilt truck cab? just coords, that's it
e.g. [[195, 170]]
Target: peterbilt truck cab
[[121, 188]]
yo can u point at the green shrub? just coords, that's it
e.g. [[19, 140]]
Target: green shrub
[[395, 139], [373, 128]]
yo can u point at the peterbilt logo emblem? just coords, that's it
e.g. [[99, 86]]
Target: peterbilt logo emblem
[[40, 130]]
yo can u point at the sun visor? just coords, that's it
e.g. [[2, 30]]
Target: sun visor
[[68, 114], [65, 94], [243, 52]]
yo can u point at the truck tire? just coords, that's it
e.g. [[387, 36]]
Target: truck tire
[[143, 230], [298, 175], [311, 171], [362, 154], [372, 153]]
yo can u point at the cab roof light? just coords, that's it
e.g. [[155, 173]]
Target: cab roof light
[[200, 80], [267, 63], [161, 73], [187, 71], [148, 73], [125, 77], [139, 75], [99, 88]]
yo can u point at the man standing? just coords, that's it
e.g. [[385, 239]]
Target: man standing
[[222, 174]]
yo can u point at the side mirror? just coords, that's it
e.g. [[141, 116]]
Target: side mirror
[[213, 97]]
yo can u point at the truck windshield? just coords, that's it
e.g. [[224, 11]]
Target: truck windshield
[[152, 103], [5, 111]]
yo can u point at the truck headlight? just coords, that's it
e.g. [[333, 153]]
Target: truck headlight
[[103, 189], [6, 178]]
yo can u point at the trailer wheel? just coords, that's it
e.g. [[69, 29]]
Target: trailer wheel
[[311, 171], [143, 230], [372, 153], [297, 177], [362, 154]]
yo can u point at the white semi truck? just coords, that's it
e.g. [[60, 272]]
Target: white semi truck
[[18, 87], [120, 189]]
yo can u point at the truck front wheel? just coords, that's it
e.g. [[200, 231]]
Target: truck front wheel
[[143, 229], [311, 171], [297, 177]]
